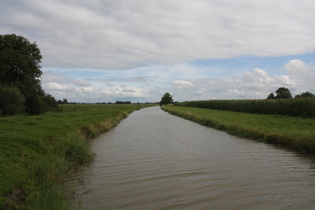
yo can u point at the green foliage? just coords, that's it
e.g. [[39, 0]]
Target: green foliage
[[48, 103], [282, 92], [20, 60], [271, 96], [293, 132], [305, 95], [166, 99], [20, 68], [11, 101], [304, 107]]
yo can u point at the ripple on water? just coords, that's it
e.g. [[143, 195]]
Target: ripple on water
[[153, 160]]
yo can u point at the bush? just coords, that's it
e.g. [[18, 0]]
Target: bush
[[48, 103], [11, 101]]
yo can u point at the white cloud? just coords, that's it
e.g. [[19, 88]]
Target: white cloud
[[109, 84], [301, 75], [182, 84], [53, 86], [117, 34], [193, 85], [154, 43], [82, 83], [255, 84]]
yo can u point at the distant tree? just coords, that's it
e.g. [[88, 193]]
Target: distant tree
[[166, 99], [123, 102], [64, 101], [282, 92], [271, 96], [49, 103], [305, 95]]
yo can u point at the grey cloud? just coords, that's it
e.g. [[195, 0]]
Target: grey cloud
[[139, 79], [125, 34], [82, 83]]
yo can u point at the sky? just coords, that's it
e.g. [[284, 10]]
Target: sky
[[137, 50]]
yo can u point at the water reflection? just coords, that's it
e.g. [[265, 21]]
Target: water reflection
[[154, 160]]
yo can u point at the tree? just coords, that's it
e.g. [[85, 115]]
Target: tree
[[166, 99], [305, 95], [65, 101], [271, 96], [282, 92], [20, 67], [19, 61], [48, 103]]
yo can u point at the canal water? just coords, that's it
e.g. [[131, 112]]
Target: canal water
[[153, 160]]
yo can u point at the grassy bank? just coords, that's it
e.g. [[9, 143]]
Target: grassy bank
[[38, 152], [293, 132]]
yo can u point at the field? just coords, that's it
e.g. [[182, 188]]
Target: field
[[296, 133], [38, 152], [295, 107]]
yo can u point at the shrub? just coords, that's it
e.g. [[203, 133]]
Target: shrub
[[11, 101]]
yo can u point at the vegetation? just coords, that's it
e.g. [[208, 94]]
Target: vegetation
[[282, 92], [37, 152], [297, 107], [12, 101], [293, 132], [19, 78], [305, 95], [302, 105], [166, 99]]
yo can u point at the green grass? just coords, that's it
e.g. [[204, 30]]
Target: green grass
[[293, 132], [38, 152]]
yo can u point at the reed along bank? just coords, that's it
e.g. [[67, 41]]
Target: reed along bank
[[296, 133], [37, 153]]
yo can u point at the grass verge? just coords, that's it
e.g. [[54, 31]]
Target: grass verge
[[292, 132], [38, 152]]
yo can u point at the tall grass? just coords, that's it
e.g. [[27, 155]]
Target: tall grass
[[38, 152], [297, 107], [293, 132]]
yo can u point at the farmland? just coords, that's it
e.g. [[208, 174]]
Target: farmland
[[296, 107]]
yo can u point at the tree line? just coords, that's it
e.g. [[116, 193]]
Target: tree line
[[20, 72], [284, 92], [303, 105]]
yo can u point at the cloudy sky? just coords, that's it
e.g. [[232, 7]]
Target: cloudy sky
[[109, 50]]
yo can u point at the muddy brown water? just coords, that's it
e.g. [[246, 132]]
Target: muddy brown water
[[153, 160]]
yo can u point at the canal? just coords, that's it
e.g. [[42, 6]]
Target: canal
[[153, 160]]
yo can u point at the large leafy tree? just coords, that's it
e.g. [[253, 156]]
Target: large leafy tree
[[20, 67], [282, 92], [20, 60], [166, 99]]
